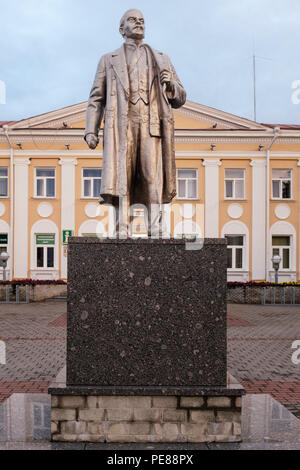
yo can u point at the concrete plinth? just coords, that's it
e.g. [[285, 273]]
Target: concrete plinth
[[99, 418]]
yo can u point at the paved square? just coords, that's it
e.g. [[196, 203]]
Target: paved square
[[35, 338], [259, 354], [259, 348]]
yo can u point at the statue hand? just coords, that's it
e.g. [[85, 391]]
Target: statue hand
[[92, 141], [166, 78]]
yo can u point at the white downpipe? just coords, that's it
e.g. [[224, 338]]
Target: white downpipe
[[267, 240], [11, 153]]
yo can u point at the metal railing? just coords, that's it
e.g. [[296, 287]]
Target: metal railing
[[279, 295], [15, 296]]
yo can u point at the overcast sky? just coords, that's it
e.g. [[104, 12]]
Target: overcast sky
[[50, 50]]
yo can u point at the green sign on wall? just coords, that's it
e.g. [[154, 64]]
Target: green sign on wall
[[45, 239], [66, 235], [3, 238]]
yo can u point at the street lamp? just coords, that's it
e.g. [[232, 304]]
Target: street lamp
[[3, 258], [276, 259]]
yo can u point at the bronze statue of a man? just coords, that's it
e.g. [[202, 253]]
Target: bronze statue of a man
[[135, 89]]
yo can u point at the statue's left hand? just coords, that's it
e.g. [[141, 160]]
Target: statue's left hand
[[166, 78]]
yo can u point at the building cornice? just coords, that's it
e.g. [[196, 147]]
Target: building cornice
[[188, 136], [56, 153], [234, 154], [71, 154]]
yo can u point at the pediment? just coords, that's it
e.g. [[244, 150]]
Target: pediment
[[191, 116]]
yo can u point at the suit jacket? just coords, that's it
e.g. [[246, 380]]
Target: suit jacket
[[109, 98]]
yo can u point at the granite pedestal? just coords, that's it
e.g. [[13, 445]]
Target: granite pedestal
[[146, 322]]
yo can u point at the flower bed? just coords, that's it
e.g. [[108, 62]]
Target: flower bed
[[251, 292], [33, 282], [232, 284]]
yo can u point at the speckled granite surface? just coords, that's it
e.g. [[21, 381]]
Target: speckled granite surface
[[146, 313]]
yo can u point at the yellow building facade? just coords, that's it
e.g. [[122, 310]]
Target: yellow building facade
[[235, 178]]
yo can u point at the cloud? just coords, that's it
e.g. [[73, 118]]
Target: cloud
[[52, 48]]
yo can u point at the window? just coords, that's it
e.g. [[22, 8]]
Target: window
[[281, 184], [91, 182], [45, 182], [3, 182], [235, 251], [45, 250], [3, 242], [281, 245], [187, 187], [234, 183]]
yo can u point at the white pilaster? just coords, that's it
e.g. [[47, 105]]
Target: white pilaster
[[258, 218], [67, 203], [212, 197], [21, 218]]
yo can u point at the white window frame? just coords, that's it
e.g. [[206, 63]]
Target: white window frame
[[281, 198], [53, 245], [280, 248], [234, 197], [185, 179], [233, 248], [45, 257], [91, 178], [44, 196], [5, 177]]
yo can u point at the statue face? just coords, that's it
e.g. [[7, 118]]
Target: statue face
[[133, 25]]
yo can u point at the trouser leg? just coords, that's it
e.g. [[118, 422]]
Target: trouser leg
[[144, 166], [153, 220], [122, 219], [152, 177]]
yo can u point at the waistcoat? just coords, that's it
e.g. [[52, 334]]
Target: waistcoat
[[138, 70]]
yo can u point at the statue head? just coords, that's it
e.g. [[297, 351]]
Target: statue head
[[132, 25]]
